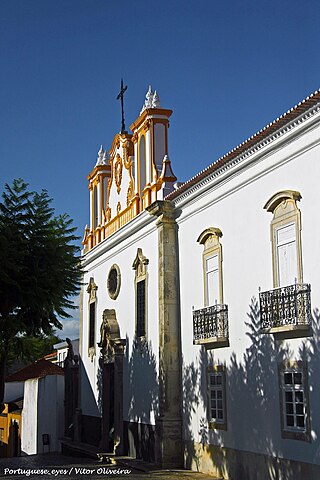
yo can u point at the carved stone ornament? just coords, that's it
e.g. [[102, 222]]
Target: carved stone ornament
[[108, 214], [118, 208], [118, 173], [129, 192], [140, 263], [92, 290], [152, 100], [110, 342]]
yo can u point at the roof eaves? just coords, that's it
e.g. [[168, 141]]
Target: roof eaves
[[262, 134]]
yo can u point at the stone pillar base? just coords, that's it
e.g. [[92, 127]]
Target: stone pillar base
[[168, 443]]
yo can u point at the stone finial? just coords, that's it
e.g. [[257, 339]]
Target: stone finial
[[105, 158], [152, 100], [100, 156], [149, 97], [155, 100]]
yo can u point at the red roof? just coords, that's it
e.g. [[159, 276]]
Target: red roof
[[49, 355], [39, 369], [280, 122]]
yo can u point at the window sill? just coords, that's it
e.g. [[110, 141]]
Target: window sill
[[291, 435], [213, 342], [217, 426], [288, 331]]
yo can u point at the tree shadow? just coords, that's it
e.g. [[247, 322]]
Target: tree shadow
[[190, 402], [141, 399], [254, 425]]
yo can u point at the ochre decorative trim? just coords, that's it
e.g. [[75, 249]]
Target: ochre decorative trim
[[150, 112], [279, 197], [118, 173], [210, 239], [209, 232], [285, 211]]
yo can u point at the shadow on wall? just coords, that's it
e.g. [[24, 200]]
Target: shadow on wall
[[252, 386], [91, 409], [140, 398]]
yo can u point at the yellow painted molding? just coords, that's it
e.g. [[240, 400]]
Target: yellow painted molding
[[279, 197], [208, 232], [150, 112]]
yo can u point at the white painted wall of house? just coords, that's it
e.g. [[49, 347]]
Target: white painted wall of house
[[50, 411], [43, 412], [141, 388], [29, 418], [236, 207]]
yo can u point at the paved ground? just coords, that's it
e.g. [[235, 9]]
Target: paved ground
[[50, 466]]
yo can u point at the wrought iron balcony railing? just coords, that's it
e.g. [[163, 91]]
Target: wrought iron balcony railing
[[287, 307], [210, 325]]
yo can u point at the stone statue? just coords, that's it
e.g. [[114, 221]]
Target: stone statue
[[106, 343], [70, 355], [104, 331]]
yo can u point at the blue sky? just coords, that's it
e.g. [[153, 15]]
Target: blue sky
[[225, 67]]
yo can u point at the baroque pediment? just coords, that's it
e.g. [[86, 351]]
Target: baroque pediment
[[120, 185]]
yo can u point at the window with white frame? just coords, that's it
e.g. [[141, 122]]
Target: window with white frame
[[286, 238], [286, 252], [294, 401], [217, 415], [212, 266], [212, 282]]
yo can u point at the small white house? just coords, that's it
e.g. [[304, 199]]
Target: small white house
[[43, 410]]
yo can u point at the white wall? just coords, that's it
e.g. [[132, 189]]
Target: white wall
[[29, 418], [50, 411], [236, 207], [140, 386]]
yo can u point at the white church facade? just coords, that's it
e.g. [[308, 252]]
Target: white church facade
[[199, 338]]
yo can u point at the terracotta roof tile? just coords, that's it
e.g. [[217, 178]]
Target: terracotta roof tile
[[38, 369]]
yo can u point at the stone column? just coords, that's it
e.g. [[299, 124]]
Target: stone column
[[169, 422]]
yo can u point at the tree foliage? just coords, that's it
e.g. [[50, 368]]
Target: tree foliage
[[25, 349], [40, 266]]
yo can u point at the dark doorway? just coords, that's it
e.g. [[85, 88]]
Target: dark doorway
[[15, 438]]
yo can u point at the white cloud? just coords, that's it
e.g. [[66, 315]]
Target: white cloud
[[71, 326]]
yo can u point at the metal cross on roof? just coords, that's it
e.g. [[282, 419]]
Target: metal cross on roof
[[121, 95]]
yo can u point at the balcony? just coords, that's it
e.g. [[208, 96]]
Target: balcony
[[210, 326], [286, 309]]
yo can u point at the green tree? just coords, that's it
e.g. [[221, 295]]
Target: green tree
[[39, 268], [25, 349]]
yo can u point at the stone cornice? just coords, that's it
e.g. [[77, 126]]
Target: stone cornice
[[137, 224], [164, 210]]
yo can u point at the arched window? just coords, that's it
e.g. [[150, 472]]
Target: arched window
[[285, 238], [212, 266]]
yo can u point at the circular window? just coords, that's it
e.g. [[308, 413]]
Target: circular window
[[113, 282]]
